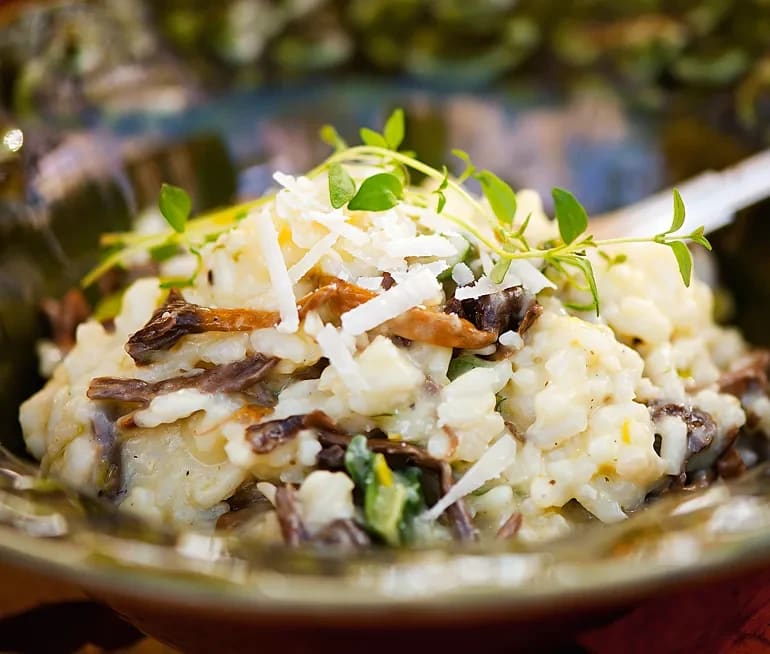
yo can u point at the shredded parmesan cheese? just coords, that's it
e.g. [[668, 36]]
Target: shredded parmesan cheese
[[414, 290], [279, 275], [462, 275], [489, 466], [312, 257], [520, 273], [420, 246], [335, 348]]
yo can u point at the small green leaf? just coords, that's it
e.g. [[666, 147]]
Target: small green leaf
[[394, 129], [164, 252], [440, 190], [441, 201], [465, 362], [108, 307], [445, 178], [378, 193], [499, 270], [683, 260], [584, 265], [342, 188], [470, 169], [698, 237], [330, 136], [570, 215], [175, 205], [678, 220], [500, 195], [370, 137], [358, 460]]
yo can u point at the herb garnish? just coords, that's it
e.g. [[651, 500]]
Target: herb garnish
[[385, 189], [391, 500]]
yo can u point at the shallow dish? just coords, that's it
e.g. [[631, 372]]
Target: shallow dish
[[187, 588]]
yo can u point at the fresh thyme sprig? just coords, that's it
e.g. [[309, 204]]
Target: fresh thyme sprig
[[387, 188]]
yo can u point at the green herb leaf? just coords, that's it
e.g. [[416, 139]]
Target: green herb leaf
[[108, 307], [370, 137], [358, 460], [470, 169], [683, 260], [678, 220], [377, 193], [330, 136], [500, 195], [584, 265], [698, 237], [384, 506], [440, 190], [164, 252], [175, 205], [391, 499], [570, 215], [394, 129], [500, 270], [342, 188], [465, 362]]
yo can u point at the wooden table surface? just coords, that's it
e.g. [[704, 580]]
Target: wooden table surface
[[42, 615]]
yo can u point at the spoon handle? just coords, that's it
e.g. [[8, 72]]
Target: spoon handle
[[711, 199]]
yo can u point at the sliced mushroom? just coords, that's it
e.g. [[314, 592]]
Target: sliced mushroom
[[510, 309], [399, 453], [289, 516], [750, 375], [701, 428], [64, 317], [178, 318], [226, 378]]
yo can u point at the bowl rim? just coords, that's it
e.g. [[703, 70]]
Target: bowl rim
[[313, 597]]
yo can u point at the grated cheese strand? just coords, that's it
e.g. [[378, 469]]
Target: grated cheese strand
[[431, 245], [312, 257], [413, 291], [489, 466], [334, 348], [279, 275]]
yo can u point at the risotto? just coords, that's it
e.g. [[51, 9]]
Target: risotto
[[355, 359]]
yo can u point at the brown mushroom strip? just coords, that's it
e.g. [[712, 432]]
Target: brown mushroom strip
[[178, 318], [289, 517], [343, 533], [226, 378], [246, 503], [749, 376], [701, 428], [336, 297], [64, 316], [510, 309], [264, 437], [730, 464], [510, 527]]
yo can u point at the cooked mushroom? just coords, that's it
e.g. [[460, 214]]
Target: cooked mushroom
[[289, 516], [399, 453], [752, 374], [510, 309], [178, 318], [701, 428], [226, 378], [64, 317]]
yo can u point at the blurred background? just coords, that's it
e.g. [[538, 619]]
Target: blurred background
[[101, 102]]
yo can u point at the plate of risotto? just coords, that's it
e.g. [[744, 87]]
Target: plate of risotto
[[386, 388]]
